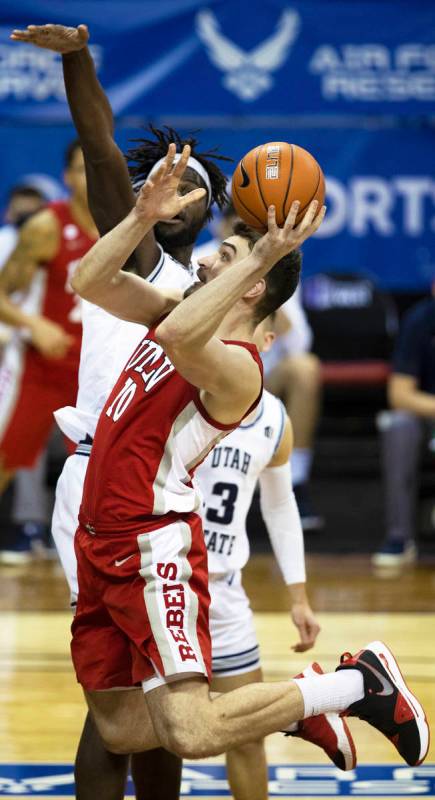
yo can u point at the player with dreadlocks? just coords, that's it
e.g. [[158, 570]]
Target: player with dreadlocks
[[163, 258]]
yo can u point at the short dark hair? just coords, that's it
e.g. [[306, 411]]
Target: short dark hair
[[282, 280], [151, 150], [70, 152], [25, 190]]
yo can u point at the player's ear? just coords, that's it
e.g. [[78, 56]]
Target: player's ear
[[268, 340], [257, 290]]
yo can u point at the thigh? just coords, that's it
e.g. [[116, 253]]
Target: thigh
[[12, 365], [69, 492], [230, 682]]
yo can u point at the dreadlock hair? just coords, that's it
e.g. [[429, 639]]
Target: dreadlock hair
[[281, 281], [149, 151]]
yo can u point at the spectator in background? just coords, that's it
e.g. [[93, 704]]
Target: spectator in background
[[411, 393], [22, 202], [48, 249], [29, 505], [291, 373]]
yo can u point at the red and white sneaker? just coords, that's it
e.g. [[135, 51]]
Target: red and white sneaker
[[388, 704], [328, 731]]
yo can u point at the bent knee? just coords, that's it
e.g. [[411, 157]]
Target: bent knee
[[252, 751], [186, 743]]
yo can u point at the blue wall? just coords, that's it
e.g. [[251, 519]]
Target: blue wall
[[354, 82]]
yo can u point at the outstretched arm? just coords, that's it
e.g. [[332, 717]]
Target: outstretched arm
[[110, 194], [281, 515]]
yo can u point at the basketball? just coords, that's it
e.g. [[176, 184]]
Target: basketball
[[276, 173]]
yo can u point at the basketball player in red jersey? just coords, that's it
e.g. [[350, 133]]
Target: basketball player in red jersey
[[51, 243], [142, 567]]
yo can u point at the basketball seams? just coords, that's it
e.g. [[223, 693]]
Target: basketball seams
[[271, 185], [248, 210], [301, 210], [257, 155], [289, 182]]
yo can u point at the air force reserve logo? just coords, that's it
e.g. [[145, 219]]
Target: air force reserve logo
[[248, 75]]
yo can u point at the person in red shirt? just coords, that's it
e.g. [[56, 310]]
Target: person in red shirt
[[142, 612], [50, 245]]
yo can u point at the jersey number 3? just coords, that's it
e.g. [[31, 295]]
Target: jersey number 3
[[225, 513]]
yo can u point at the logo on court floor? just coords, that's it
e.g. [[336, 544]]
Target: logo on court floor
[[49, 780]]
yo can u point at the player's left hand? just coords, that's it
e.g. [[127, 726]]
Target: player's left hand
[[158, 198], [59, 38], [307, 625]]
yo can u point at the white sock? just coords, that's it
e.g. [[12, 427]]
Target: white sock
[[333, 692], [300, 461]]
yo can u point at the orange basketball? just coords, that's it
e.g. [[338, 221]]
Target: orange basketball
[[276, 173]]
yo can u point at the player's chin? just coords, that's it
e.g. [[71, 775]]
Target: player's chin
[[192, 289]]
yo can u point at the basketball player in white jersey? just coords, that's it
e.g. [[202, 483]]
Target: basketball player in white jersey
[[259, 450], [107, 341]]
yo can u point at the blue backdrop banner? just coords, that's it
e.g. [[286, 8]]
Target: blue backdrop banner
[[229, 57], [380, 191]]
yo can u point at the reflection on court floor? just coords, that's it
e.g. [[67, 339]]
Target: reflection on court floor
[[207, 781]]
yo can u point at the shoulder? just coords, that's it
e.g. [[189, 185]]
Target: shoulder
[[44, 223], [285, 444], [40, 236]]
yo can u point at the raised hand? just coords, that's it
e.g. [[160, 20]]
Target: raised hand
[[277, 242], [59, 38], [158, 198]]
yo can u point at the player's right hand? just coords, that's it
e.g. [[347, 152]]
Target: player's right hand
[[278, 242], [49, 338], [59, 38]]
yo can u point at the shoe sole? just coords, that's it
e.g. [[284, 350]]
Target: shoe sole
[[388, 660], [345, 743], [344, 740]]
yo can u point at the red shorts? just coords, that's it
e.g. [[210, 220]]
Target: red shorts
[[142, 610], [38, 388]]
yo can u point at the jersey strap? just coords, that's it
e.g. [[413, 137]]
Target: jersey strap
[[203, 411]]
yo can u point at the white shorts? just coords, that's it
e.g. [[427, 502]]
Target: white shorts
[[12, 361], [69, 492], [234, 640]]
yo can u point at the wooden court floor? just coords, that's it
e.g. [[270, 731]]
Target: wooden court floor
[[41, 705]]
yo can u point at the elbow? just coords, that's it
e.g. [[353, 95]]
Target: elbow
[[81, 287], [78, 285], [168, 336]]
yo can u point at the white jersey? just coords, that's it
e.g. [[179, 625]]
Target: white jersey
[[107, 343], [227, 480]]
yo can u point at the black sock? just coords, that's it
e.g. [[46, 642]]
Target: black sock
[[98, 773], [156, 775]]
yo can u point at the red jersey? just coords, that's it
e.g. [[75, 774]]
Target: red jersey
[[152, 434], [59, 302]]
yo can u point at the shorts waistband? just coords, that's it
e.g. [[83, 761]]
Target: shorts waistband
[[84, 446]]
